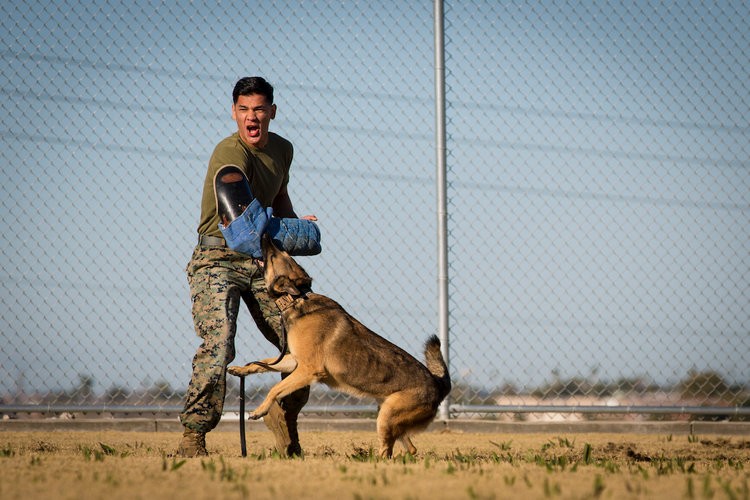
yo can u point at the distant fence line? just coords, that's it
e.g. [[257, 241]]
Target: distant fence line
[[562, 192]]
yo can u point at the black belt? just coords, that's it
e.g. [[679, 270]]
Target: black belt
[[211, 241]]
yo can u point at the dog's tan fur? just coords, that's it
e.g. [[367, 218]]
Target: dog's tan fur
[[328, 345]]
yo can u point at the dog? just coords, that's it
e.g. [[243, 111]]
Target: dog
[[327, 345]]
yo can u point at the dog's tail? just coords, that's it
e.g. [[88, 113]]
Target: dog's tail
[[436, 364]]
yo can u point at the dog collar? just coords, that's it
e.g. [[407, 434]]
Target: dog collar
[[285, 301]]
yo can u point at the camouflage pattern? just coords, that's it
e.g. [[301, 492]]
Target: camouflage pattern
[[219, 278]]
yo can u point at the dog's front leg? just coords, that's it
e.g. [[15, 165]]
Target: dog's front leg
[[296, 380], [287, 364]]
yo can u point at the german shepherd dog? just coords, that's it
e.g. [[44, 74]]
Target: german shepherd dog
[[326, 344]]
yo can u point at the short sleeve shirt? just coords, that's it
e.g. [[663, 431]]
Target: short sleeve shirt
[[266, 168]]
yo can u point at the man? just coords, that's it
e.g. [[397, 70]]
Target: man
[[219, 277]]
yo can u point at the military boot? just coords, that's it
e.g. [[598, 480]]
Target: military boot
[[193, 444]]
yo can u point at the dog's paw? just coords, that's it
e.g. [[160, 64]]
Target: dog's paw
[[256, 415], [238, 371]]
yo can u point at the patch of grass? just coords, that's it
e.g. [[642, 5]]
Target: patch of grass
[[551, 489], [504, 446], [708, 491], [361, 454], [209, 466], [175, 464], [598, 486], [559, 442], [527, 481], [460, 457], [736, 464], [91, 454], [225, 472], [107, 449], [44, 447]]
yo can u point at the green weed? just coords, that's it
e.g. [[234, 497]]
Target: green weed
[[224, 473], [690, 493], [175, 464], [708, 491], [91, 454], [107, 450], [551, 489], [209, 467], [598, 486], [587, 453], [505, 446], [464, 458], [364, 455]]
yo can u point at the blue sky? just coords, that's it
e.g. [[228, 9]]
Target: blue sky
[[598, 180]]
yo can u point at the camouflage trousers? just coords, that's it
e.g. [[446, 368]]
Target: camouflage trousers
[[219, 279]]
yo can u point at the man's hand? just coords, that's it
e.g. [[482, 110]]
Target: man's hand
[[309, 217]]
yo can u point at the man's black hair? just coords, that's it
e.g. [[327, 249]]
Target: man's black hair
[[250, 85]]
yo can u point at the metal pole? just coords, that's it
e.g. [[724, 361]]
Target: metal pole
[[442, 211], [243, 445]]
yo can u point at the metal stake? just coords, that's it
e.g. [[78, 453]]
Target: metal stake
[[243, 446]]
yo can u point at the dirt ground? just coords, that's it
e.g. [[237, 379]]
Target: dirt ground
[[448, 465]]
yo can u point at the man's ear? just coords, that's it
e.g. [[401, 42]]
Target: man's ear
[[273, 111]]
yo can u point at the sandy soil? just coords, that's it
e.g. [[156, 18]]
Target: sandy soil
[[449, 465]]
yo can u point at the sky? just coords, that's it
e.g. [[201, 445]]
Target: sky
[[597, 155]]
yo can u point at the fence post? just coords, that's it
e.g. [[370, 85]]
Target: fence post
[[442, 211]]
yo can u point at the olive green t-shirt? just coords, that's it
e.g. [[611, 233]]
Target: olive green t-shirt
[[266, 168]]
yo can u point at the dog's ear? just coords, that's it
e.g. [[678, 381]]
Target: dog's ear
[[303, 282], [282, 285]]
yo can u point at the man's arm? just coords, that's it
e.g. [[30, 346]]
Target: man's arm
[[282, 206]]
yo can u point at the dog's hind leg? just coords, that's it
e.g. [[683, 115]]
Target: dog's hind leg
[[387, 432], [408, 445], [401, 414]]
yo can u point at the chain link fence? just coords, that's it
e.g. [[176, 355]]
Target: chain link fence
[[597, 179]]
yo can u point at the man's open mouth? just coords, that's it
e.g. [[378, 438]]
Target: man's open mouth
[[253, 131]]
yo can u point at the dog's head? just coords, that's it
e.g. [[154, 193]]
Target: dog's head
[[282, 273]]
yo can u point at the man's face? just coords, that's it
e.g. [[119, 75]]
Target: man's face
[[253, 113]]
